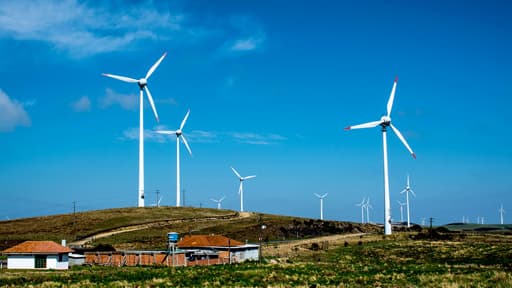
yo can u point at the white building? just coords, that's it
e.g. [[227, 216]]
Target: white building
[[233, 249], [37, 255]]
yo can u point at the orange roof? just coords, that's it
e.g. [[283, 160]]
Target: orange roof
[[208, 241], [28, 247]]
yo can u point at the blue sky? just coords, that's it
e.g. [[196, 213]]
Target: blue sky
[[270, 85]]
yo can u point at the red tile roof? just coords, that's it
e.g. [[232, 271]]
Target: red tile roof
[[208, 241], [37, 247]]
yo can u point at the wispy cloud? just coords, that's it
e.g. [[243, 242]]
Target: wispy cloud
[[12, 113], [111, 98], [248, 36], [201, 136], [82, 105], [82, 29]]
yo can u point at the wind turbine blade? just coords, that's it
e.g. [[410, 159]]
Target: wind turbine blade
[[325, 195], [399, 135], [403, 191], [153, 68], [240, 188], [414, 194], [167, 132], [150, 98], [250, 177], [186, 144], [317, 195], [222, 199], [236, 173], [184, 120], [213, 200], [122, 78], [392, 97], [364, 125]]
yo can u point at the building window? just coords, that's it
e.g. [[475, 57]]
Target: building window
[[40, 261], [61, 257]]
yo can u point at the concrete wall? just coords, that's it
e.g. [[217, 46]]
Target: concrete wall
[[20, 262]]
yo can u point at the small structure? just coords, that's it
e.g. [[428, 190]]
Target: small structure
[[232, 250], [37, 255]]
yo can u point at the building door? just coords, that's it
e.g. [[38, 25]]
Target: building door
[[40, 261]]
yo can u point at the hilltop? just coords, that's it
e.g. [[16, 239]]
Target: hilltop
[[146, 228]]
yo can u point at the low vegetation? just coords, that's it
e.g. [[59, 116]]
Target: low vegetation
[[363, 261]]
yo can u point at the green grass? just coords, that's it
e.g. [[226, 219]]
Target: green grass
[[392, 262]]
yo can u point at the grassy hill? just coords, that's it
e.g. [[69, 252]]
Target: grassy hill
[[146, 228]]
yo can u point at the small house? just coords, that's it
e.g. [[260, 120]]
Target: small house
[[233, 250], [37, 255]]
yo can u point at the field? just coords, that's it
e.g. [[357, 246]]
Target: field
[[297, 251], [357, 261]]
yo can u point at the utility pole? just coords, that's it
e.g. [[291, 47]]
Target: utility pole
[[183, 196], [431, 220], [157, 202], [74, 216]]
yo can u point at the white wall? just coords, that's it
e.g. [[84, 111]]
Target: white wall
[[20, 262], [65, 262]]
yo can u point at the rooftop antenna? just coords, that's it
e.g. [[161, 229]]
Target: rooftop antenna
[[179, 135], [385, 122], [321, 197], [143, 86]]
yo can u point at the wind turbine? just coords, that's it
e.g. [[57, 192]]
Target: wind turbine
[[406, 191], [401, 210], [362, 205], [179, 135], [157, 204], [368, 206], [218, 201], [385, 122], [143, 85], [321, 204], [502, 211], [241, 188]]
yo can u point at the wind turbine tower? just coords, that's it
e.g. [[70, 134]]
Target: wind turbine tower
[[321, 197], [143, 85], [408, 190], [362, 205], [502, 211], [402, 210], [385, 122], [241, 187], [368, 206], [179, 135]]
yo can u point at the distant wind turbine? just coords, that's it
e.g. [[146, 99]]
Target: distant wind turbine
[[362, 205], [157, 204], [321, 197], [179, 135], [502, 211], [401, 210], [406, 191], [241, 187], [368, 206], [384, 122], [219, 201], [142, 82]]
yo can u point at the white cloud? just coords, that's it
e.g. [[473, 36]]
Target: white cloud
[[12, 114], [248, 36], [128, 102], [149, 135], [82, 105], [257, 139], [244, 45], [82, 29]]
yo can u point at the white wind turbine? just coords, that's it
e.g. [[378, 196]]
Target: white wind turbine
[[502, 211], [368, 206], [406, 191], [321, 197], [384, 122], [362, 205], [401, 210], [179, 135], [241, 187], [219, 201], [142, 82]]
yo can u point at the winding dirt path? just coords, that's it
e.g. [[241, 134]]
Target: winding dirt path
[[137, 227]]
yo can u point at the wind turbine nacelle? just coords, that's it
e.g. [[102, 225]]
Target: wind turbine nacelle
[[385, 120], [142, 82], [178, 132]]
